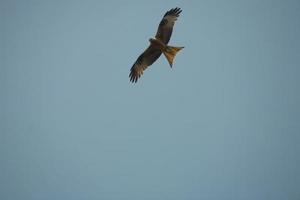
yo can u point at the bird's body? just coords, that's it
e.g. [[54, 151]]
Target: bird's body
[[157, 43], [157, 46]]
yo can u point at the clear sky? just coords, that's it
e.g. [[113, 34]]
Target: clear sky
[[223, 124]]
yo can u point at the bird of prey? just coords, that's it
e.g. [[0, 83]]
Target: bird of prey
[[158, 45]]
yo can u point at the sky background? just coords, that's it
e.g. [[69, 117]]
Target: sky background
[[223, 124]]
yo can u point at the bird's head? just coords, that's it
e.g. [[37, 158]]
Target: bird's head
[[157, 43], [151, 40]]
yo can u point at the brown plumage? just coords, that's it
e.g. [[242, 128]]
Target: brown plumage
[[157, 46]]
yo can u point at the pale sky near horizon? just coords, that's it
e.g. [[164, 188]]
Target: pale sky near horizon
[[222, 124]]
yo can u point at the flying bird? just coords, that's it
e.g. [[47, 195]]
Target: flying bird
[[158, 45]]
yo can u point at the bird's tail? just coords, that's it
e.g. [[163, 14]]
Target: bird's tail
[[170, 53]]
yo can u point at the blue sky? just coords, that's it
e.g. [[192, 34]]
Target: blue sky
[[222, 124]]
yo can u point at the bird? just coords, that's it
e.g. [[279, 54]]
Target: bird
[[158, 45]]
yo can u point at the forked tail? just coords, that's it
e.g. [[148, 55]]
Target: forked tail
[[170, 53]]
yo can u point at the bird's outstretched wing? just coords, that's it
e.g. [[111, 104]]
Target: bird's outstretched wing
[[165, 27], [147, 58]]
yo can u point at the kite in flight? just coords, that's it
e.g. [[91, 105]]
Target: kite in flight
[[157, 46]]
